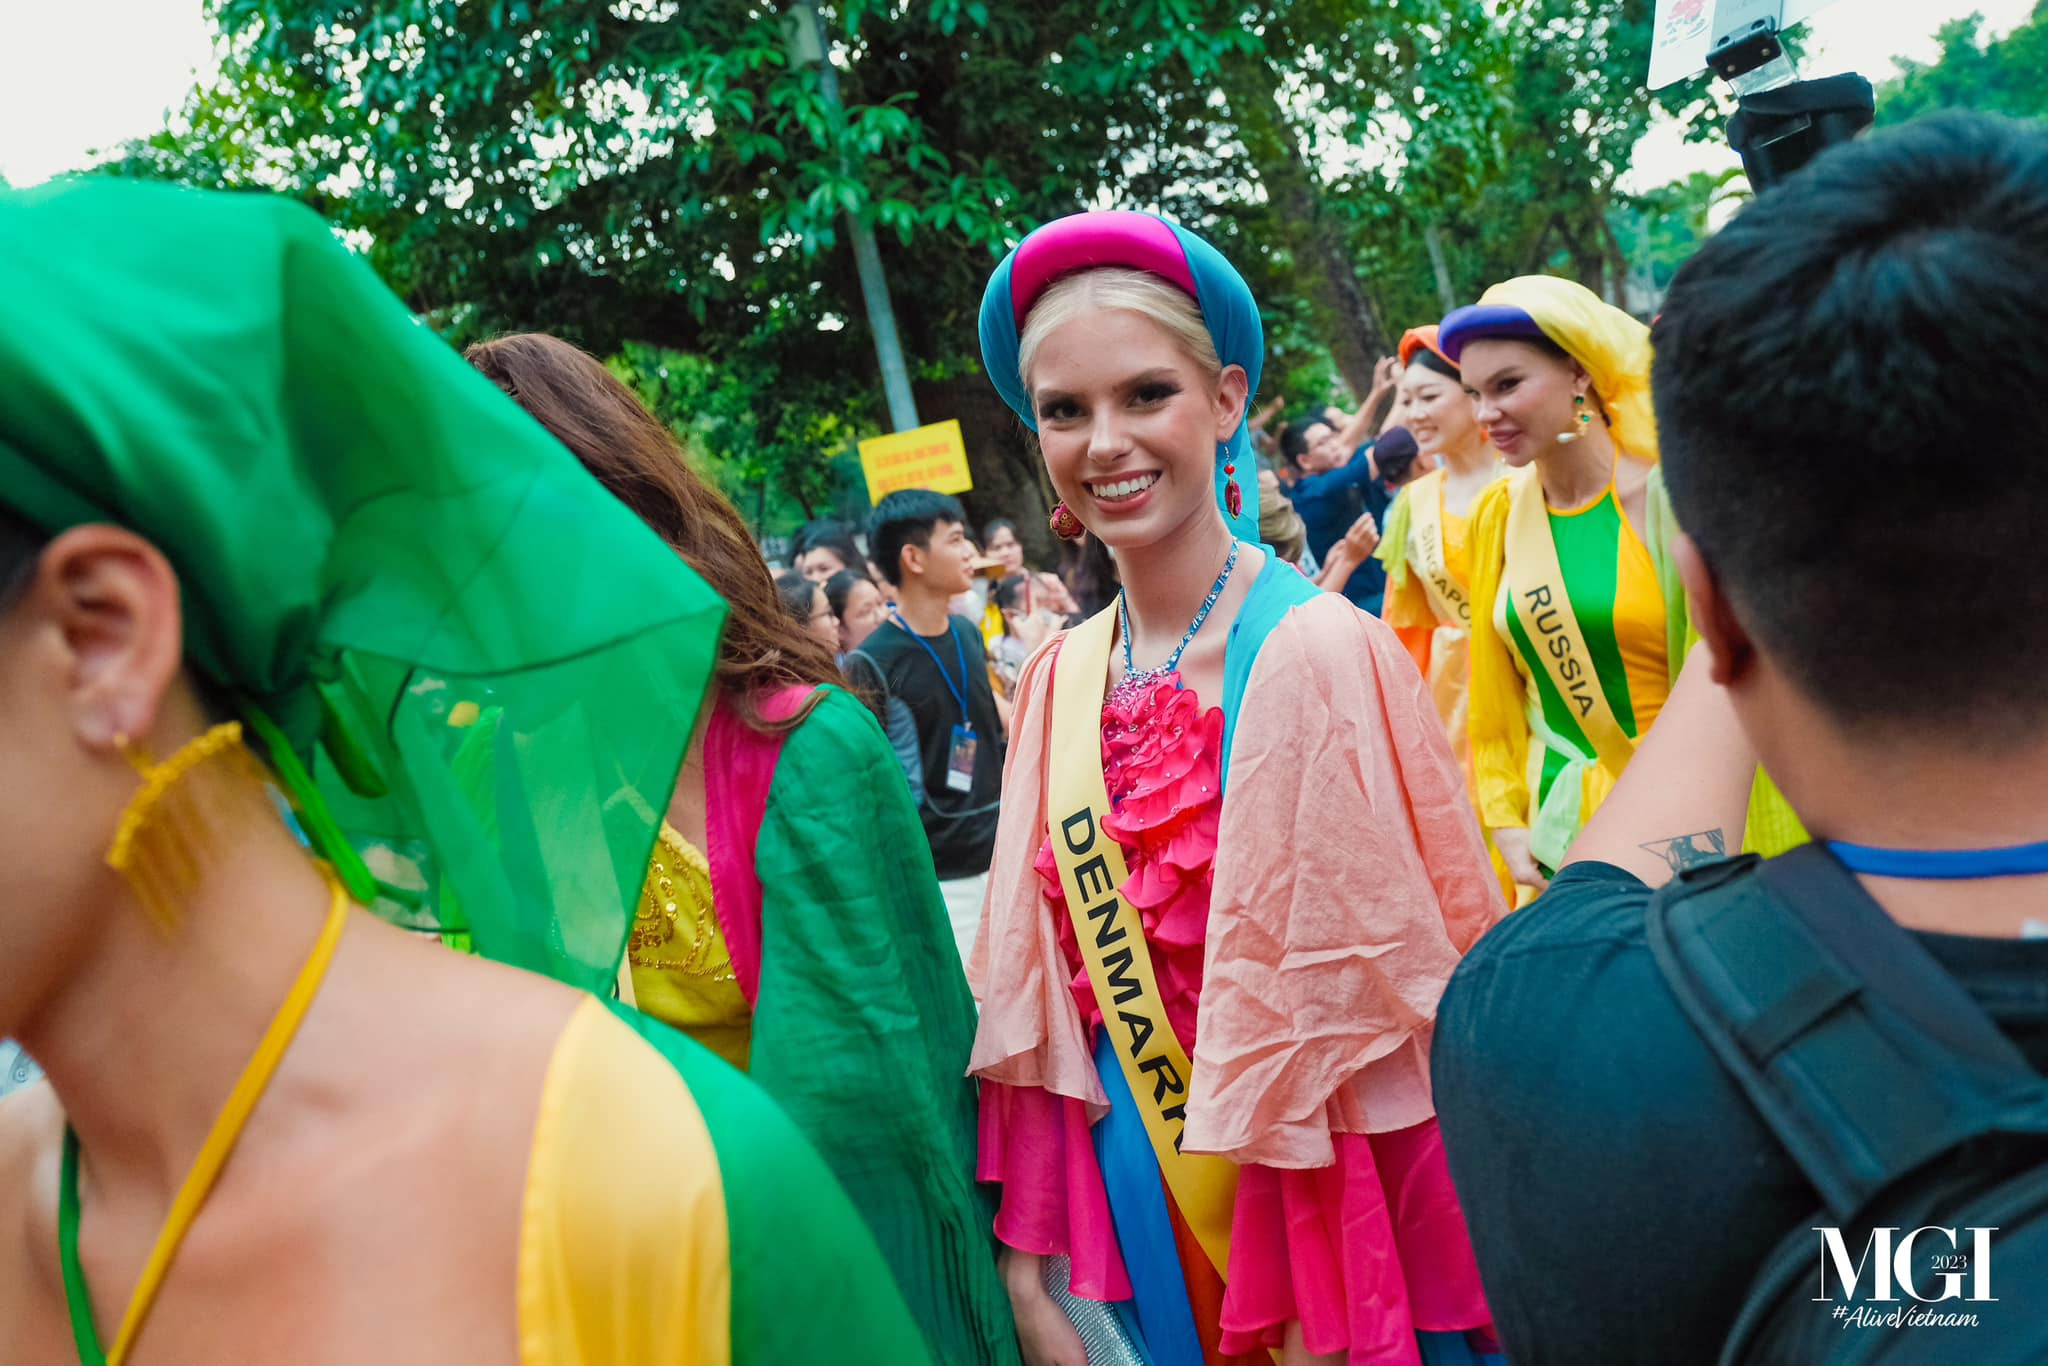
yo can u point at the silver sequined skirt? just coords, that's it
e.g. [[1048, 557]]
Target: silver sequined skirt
[[1102, 1332]]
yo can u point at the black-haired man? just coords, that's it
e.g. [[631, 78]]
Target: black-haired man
[[1623, 1189], [935, 669]]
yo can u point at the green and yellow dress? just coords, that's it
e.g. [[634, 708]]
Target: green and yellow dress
[[1535, 726], [1536, 719]]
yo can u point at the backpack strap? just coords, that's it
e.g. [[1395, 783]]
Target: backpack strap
[[1863, 1055]]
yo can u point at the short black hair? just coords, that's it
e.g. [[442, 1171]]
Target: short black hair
[[1851, 380], [907, 517], [988, 533], [827, 534], [1294, 436], [839, 589], [797, 594], [1008, 594]]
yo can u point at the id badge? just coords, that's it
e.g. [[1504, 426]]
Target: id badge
[[960, 761]]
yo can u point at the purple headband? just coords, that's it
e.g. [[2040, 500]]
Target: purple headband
[[1478, 321]]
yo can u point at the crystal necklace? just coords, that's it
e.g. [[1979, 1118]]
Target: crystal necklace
[[1135, 680]]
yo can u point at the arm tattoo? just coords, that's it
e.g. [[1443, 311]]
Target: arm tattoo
[[1690, 851]]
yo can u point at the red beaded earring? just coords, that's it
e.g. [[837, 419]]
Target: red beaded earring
[[1065, 524]]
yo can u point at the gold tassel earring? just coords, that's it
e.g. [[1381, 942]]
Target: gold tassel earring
[[186, 808]]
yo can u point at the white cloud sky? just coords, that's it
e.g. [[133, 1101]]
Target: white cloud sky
[[76, 75], [79, 75]]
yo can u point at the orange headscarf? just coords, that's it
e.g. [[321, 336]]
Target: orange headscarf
[[1415, 339]]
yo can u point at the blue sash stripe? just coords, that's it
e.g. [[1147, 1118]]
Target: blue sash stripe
[[1144, 1232]]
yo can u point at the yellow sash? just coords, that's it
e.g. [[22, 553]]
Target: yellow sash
[[1543, 605], [1447, 597], [1112, 938]]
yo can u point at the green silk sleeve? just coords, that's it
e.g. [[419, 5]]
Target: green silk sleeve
[[863, 1023]]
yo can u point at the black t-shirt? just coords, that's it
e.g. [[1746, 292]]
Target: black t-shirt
[[960, 825], [1622, 1194]]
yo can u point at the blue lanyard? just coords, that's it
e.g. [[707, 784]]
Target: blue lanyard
[[959, 693], [1942, 865]]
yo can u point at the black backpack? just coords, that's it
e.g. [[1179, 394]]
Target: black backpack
[[1896, 1095]]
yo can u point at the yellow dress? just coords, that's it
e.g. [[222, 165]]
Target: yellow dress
[[1439, 643], [682, 971], [673, 1216], [623, 1244]]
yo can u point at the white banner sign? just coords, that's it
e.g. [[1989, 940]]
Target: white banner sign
[[1684, 35]]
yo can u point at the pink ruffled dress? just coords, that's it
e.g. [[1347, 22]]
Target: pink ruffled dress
[[1365, 1252]]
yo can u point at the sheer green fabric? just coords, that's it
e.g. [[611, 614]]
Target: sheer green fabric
[[378, 550]]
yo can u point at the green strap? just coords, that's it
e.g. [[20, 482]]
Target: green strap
[[77, 1297], [319, 825]]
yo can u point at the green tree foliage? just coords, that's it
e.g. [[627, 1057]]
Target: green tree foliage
[[660, 180], [2008, 76]]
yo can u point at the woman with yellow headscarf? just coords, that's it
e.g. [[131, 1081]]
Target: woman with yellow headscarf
[[1576, 636]]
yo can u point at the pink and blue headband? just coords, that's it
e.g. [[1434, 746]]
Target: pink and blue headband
[[1135, 241]]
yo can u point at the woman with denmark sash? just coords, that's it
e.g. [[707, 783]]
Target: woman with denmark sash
[[1575, 636], [1427, 549], [1236, 866]]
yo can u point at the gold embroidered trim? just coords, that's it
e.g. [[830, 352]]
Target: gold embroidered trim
[[674, 927]]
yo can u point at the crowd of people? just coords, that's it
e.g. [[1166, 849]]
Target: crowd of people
[[471, 905]]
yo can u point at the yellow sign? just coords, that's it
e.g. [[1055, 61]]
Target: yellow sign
[[932, 457]]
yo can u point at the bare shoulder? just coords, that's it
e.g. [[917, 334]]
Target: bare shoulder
[[492, 1029], [493, 1010]]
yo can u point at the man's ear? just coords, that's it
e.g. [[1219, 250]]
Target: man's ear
[[911, 560], [1712, 616]]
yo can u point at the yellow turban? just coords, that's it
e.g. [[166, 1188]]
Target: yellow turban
[[1613, 347]]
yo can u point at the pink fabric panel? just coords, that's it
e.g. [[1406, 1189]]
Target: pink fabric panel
[[1037, 1145], [1119, 237], [1365, 1252], [739, 769], [1029, 1033], [1330, 943]]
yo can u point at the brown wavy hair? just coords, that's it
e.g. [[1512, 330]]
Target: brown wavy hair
[[569, 392]]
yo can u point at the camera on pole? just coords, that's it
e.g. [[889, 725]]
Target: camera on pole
[[1780, 122]]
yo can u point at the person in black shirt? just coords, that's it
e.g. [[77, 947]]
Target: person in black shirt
[[934, 671], [1622, 1190]]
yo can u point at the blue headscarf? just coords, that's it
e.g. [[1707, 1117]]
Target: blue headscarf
[[1136, 241]]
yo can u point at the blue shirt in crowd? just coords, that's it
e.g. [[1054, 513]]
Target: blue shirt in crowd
[[1329, 503]]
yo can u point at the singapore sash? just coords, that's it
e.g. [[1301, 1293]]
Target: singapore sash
[[1544, 607], [1447, 597], [1112, 938]]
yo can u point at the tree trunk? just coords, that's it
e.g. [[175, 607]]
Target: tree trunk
[[1434, 241], [1315, 236], [1009, 478]]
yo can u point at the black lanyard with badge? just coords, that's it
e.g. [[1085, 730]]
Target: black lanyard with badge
[[960, 755]]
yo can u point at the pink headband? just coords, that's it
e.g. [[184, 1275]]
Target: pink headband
[[1117, 237]]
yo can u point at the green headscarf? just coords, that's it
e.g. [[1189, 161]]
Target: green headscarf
[[488, 668]]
